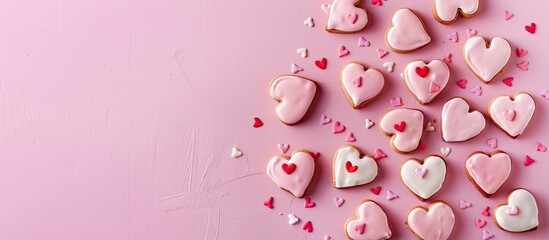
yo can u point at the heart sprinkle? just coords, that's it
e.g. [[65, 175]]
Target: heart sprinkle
[[339, 201], [471, 32], [453, 37], [325, 119], [476, 90], [257, 122], [530, 28], [544, 94], [513, 210], [357, 81], [308, 203], [369, 123], [302, 52], [492, 142], [447, 58], [362, 42], [321, 63], [351, 17], [308, 226], [507, 15], [464, 204], [292, 219], [283, 147], [395, 102], [528, 160], [521, 52], [235, 153], [486, 235], [338, 127], [540, 147], [429, 127], [508, 81], [509, 115], [360, 227], [350, 137], [295, 68], [269, 202], [523, 65], [391, 195], [445, 151], [375, 190], [309, 22], [288, 168], [381, 53], [485, 211], [350, 168], [325, 8], [422, 71], [480, 223], [462, 83], [420, 172], [379, 154], [389, 66], [377, 2], [342, 51]]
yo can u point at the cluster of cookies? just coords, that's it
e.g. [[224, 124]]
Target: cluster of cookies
[[425, 81]]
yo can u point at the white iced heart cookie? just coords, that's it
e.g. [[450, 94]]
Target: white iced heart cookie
[[346, 17], [447, 11], [295, 95], [424, 178], [371, 223], [292, 174], [520, 214], [512, 114], [434, 223], [486, 58], [361, 86], [459, 123], [350, 169], [407, 32], [405, 126], [426, 81]]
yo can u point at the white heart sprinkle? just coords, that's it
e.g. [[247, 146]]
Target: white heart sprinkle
[[445, 151], [309, 22], [389, 66], [369, 123], [302, 52], [429, 127], [292, 219], [236, 153]]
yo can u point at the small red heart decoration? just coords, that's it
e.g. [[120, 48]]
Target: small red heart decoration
[[321, 63], [257, 122], [530, 28], [288, 168], [376, 190], [400, 127], [269, 203], [308, 203], [508, 81], [350, 168], [308, 226], [422, 71]]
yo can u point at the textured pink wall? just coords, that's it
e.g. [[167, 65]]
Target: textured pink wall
[[117, 118]]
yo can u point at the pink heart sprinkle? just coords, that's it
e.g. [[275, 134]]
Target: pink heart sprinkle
[[420, 172], [464, 204], [492, 142], [507, 15], [360, 228], [545, 94], [528, 160], [357, 81], [509, 115], [396, 102], [447, 58], [283, 147], [523, 65], [480, 223], [508, 81], [350, 138], [512, 210], [486, 235], [391, 195], [339, 201], [362, 42], [521, 52], [540, 147], [381, 53], [379, 154], [453, 37], [351, 17], [338, 127], [485, 211], [309, 203], [325, 8], [295, 68], [325, 119], [343, 51], [377, 2], [476, 90], [433, 88], [471, 32], [326, 237], [462, 83]]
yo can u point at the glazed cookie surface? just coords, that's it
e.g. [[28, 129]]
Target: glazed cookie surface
[[488, 172], [512, 114], [447, 11], [370, 223], [434, 223], [486, 58], [405, 126], [346, 17], [460, 123], [426, 81], [407, 32], [295, 95], [351, 169], [292, 174], [361, 86], [520, 214], [424, 178]]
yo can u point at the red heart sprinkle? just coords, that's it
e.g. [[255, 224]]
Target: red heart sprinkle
[[530, 28], [315, 155], [462, 83], [485, 211], [350, 168], [400, 127], [288, 168], [269, 203], [508, 81], [308, 226], [308, 203], [321, 63], [528, 160], [376, 190], [422, 71]]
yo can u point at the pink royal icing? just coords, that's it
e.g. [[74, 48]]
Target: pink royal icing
[[297, 181], [408, 139], [523, 107], [447, 10], [489, 172], [295, 95], [371, 223], [486, 62], [345, 16], [458, 123], [407, 32], [426, 88], [435, 224], [361, 86]]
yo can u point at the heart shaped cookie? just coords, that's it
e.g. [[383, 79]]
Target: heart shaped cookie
[[351, 169], [488, 172], [447, 11], [486, 58], [459, 123], [426, 81], [405, 126], [361, 86], [512, 114], [407, 33], [370, 223], [423, 178], [292, 174], [294, 94], [436, 222], [345, 17], [520, 214]]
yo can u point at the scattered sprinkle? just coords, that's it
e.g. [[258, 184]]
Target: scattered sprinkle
[[369, 123], [309, 22], [321, 63], [338, 127], [540, 147], [381, 53], [283, 147], [485, 211], [325, 119], [342, 51], [302, 52], [235, 153], [471, 32], [379, 154], [269, 202], [507, 15], [308, 226], [464, 204], [545, 94], [338, 201], [295, 68], [350, 137], [389, 66], [521, 52], [257, 122], [528, 160], [445, 151], [492, 143], [391, 195], [396, 102], [486, 235], [429, 127], [523, 65], [375, 190], [476, 90], [292, 219], [447, 58], [453, 37], [362, 42], [508, 81], [308, 203], [530, 28], [462, 83]]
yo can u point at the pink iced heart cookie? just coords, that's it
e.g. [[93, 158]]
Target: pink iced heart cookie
[[423, 178], [512, 114], [405, 126], [361, 86], [292, 174], [351, 169], [426, 81], [407, 33], [447, 11], [435, 223], [294, 94], [486, 58], [488, 172], [346, 17], [370, 223], [459, 123], [520, 214]]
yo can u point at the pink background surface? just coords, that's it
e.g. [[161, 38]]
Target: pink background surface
[[118, 118]]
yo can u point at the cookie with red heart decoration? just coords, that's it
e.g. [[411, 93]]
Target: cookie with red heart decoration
[[405, 126], [294, 173], [350, 168], [426, 80]]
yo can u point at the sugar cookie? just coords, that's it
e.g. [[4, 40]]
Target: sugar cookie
[[423, 178], [405, 126], [486, 58], [447, 11], [346, 17], [488, 172], [434, 223], [370, 223], [407, 32], [292, 174], [460, 123], [520, 214], [359, 85], [426, 81], [351, 169], [295, 95], [512, 114]]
